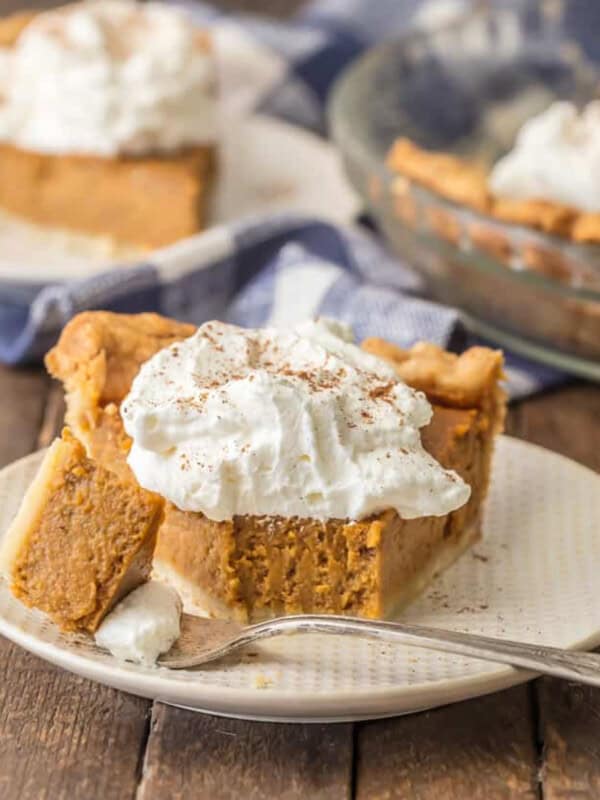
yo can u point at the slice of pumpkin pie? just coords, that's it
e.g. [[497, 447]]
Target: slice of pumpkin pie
[[300, 473]]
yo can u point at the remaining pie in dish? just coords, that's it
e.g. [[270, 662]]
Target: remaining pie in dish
[[468, 184], [81, 540], [127, 151], [253, 566], [536, 213]]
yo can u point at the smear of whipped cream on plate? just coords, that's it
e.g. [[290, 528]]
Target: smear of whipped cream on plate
[[300, 423], [105, 77], [143, 625]]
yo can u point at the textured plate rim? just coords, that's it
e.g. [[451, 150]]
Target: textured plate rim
[[283, 705]]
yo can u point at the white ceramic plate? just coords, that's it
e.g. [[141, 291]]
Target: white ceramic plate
[[534, 577], [265, 165]]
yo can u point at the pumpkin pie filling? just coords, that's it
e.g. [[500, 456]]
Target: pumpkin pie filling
[[81, 540], [255, 566]]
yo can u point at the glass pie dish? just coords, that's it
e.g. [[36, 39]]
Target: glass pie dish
[[466, 89]]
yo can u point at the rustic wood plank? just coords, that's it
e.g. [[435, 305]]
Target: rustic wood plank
[[567, 421], [60, 736], [23, 395], [568, 725], [480, 749], [569, 731], [208, 758], [63, 736]]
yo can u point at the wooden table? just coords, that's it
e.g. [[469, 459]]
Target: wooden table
[[64, 737]]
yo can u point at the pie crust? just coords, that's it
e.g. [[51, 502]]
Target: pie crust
[[466, 183]]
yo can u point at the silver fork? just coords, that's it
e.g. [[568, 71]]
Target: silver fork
[[206, 640]]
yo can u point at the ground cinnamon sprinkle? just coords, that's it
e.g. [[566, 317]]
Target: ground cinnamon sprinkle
[[381, 391]]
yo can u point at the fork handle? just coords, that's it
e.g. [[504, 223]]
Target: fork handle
[[572, 665]]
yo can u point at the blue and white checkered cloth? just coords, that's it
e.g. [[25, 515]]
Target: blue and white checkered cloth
[[285, 268]]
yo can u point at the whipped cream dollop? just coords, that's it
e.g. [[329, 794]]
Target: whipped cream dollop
[[290, 423], [106, 77], [143, 625], [556, 157]]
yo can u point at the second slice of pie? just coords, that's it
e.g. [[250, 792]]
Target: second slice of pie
[[108, 121]]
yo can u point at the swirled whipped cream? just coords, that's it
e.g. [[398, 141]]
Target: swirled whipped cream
[[556, 157], [283, 423], [106, 77]]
